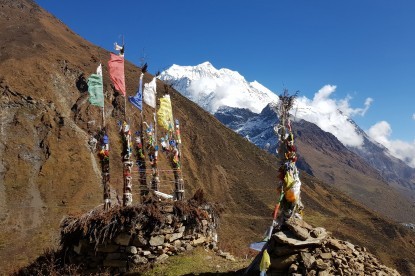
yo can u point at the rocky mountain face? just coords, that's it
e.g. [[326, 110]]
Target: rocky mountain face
[[48, 170]]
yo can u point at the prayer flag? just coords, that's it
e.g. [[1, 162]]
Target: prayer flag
[[116, 70], [95, 88], [165, 114], [149, 94], [137, 100]]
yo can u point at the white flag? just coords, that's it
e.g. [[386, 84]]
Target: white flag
[[149, 93], [117, 47], [99, 70]]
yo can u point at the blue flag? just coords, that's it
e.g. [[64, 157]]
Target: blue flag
[[137, 100]]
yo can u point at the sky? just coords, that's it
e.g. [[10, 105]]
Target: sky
[[365, 50]]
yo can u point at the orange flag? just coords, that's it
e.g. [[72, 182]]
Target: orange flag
[[116, 70]]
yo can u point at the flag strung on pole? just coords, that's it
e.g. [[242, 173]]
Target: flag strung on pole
[[116, 70], [95, 88], [165, 113], [149, 94], [137, 100]]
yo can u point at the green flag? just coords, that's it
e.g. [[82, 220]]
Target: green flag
[[95, 90]]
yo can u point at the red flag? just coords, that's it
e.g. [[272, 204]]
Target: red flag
[[116, 68]]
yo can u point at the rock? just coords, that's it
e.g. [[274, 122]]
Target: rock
[[282, 250], [175, 236], [123, 239], [335, 244], [177, 243], [319, 233], [198, 241], [308, 259], [151, 256], [146, 253], [169, 219], [326, 256], [230, 258], [226, 255], [162, 258], [131, 249], [323, 273], [283, 262], [293, 268], [321, 264], [139, 260], [349, 245], [181, 229], [281, 237], [188, 247], [139, 241], [157, 240], [299, 232]]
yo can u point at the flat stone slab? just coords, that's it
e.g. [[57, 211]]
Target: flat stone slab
[[281, 237]]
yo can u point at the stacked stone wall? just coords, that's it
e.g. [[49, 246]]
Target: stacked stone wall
[[135, 246]]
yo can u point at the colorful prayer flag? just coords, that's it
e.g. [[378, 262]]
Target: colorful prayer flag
[[137, 100], [149, 94], [116, 70], [95, 88], [165, 113], [265, 261]]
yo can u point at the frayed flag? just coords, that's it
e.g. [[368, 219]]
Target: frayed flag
[[149, 94]]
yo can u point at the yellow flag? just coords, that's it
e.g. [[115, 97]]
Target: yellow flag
[[165, 113], [265, 261]]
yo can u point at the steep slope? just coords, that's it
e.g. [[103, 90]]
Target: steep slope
[[47, 169]]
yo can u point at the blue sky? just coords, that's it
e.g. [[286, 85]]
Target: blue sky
[[366, 48]]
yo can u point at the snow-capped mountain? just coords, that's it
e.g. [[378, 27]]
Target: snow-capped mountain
[[212, 88], [247, 108]]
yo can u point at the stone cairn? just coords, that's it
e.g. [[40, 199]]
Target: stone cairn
[[299, 249], [133, 237]]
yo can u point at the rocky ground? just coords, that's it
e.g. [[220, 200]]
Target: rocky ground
[[300, 249]]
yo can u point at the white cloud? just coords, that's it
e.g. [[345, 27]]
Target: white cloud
[[333, 115], [413, 116], [211, 93], [381, 132]]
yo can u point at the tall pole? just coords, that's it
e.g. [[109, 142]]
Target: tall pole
[[125, 133], [141, 160], [155, 181], [104, 156], [288, 173]]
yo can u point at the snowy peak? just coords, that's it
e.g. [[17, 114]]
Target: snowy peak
[[213, 88]]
